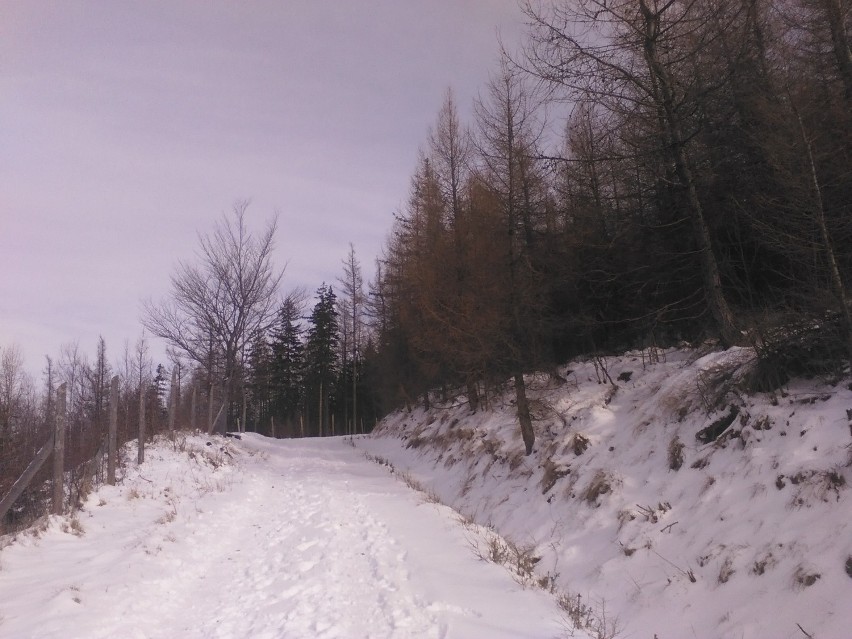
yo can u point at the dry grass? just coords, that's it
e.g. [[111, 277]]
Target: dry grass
[[591, 620], [601, 484], [675, 453], [72, 526], [552, 474]]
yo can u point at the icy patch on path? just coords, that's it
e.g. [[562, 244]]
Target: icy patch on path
[[300, 539]]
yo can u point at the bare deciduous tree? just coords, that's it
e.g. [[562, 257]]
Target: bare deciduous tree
[[218, 305]]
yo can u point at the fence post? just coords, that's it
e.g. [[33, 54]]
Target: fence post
[[59, 451], [173, 403], [113, 430], [210, 409], [192, 423], [141, 445]]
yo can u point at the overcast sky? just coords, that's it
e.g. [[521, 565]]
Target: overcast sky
[[128, 127]]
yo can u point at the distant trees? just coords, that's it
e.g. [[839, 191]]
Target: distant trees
[[16, 394]]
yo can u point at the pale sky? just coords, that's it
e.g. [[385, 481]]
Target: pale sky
[[127, 127]]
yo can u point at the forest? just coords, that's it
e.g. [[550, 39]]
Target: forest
[[699, 188], [640, 173]]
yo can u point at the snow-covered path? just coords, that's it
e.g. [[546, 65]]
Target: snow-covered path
[[297, 539]]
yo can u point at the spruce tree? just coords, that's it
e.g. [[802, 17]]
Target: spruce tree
[[286, 367], [321, 364]]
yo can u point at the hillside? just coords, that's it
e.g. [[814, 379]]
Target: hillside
[[746, 532]]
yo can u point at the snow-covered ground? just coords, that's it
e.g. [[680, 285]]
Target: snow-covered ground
[[261, 538], [621, 510], [748, 536]]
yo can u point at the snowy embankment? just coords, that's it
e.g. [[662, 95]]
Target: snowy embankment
[[748, 535], [260, 538]]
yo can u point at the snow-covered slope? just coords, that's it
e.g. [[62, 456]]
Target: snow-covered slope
[[749, 535]]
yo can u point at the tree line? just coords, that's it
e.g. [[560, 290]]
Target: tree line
[[696, 185]]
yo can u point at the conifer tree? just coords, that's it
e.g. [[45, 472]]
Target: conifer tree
[[287, 365], [321, 363]]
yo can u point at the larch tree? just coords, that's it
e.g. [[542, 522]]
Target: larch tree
[[352, 328], [508, 131]]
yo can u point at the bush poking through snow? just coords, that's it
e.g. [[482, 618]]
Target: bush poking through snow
[[849, 566], [582, 617]]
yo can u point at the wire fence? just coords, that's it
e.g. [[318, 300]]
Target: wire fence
[[84, 452]]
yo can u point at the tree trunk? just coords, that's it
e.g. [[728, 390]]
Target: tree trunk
[[113, 428], [473, 396], [840, 44], [831, 258], [524, 412], [711, 279], [140, 457], [59, 452]]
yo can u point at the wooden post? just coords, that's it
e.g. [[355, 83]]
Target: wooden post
[[272, 425], [141, 443], [113, 429], [192, 423], [216, 421], [59, 451], [210, 410], [173, 404], [243, 423], [319, 411]]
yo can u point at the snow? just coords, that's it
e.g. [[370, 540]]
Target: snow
[[261, 538], [751, 537]]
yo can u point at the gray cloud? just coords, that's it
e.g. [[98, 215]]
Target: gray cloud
[[126, 128]]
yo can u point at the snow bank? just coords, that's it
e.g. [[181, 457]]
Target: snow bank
[[746, 535]]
